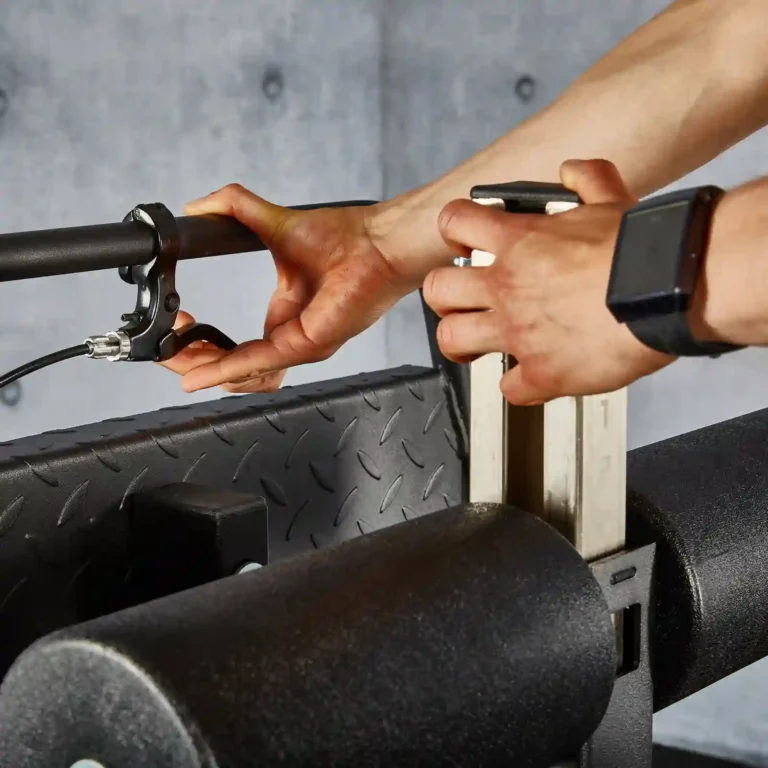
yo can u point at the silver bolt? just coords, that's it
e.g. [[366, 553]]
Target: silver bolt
[[87, 764], [249, 567]]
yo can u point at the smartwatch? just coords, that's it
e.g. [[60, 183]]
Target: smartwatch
[[659, 253]]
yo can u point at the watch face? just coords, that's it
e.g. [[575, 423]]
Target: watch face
[[655, 238], [654, 267]]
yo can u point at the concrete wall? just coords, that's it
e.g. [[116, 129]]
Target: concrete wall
[[109, 105], [105, 105]]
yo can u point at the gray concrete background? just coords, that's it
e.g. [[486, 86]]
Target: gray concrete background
[[104, 105]]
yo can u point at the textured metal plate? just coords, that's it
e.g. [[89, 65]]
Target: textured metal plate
[[334, 460]]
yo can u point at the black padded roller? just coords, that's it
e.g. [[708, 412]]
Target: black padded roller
[[703, 498], [475, 636]]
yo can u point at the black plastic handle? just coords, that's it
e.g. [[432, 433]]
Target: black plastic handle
[[25, 255], [525, 196]]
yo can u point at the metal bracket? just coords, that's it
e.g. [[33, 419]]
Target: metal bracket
[[183, 535], [625, 736]]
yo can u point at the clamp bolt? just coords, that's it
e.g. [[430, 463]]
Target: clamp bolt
[[172, 302]]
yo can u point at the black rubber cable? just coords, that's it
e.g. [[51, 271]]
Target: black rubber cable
[[44, 362]]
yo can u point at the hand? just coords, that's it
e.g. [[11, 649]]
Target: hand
[[543, 301], [333, 282]]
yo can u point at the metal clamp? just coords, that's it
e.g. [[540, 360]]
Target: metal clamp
[[148, 333]]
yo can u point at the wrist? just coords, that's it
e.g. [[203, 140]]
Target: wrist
[[729, 301], [404, 230]]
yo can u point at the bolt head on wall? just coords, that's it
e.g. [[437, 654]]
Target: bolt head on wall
[[10, 395], [272, 85], [525, 88]]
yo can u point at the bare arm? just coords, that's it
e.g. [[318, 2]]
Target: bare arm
[[676, 93], [730, 300], [548, 284]]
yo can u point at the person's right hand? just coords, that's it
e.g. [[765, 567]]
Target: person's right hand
[[333, 282]]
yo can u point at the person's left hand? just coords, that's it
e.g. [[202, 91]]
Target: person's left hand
[[543, 301]]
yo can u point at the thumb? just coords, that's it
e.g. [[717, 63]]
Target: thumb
[[596, 181], [259, 215], [518, 391]]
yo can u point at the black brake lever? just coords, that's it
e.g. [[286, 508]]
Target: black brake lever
[[148, 333]]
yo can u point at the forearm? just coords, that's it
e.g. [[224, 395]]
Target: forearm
[[731, 299], [676, 93]]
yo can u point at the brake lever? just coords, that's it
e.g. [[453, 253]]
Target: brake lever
[[148, 333]]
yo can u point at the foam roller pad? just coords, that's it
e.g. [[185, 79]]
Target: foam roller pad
[[476, 635], [702, 498]]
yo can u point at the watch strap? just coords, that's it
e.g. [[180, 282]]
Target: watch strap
[[671, 335], [669, 332]]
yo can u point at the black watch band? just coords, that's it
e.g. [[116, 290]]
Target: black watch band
[[657, 261], [671, 335]]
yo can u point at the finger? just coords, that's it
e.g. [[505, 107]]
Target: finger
[[517, 390], [595, 181], [263, 217], [182, 319], [197, 353], [269, 383], [336, 313], [449, 289], [463, 336], [250, 361], [466, 226], [283, 307], [288, 345], [190, 358]]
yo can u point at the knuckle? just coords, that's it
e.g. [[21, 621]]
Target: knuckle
[[430, 288], [450, 338], [445, 335], [602, 165], [448, 216], [316, 354], [231, 192]]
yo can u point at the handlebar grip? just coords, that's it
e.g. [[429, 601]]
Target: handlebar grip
[[77, 249], [214, 235], [49, 252]]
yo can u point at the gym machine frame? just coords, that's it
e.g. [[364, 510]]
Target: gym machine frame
[[91, 522]]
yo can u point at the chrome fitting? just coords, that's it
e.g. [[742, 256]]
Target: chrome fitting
[[114, 346]]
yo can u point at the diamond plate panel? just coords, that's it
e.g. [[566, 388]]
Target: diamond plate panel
[[334, 461]]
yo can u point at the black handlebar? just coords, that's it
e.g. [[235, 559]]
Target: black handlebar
[[25, 255]]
